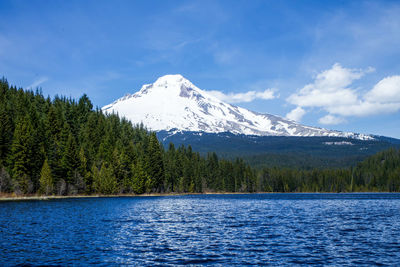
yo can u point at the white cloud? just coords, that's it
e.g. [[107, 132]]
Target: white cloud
[[337, 77], [296, 114], [243, 97], [37, 82], [386, 91], [322, 98], [328, 89], [331, 120], [364, 108], [331, 91]]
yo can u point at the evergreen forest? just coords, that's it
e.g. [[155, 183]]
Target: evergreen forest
[[64, 146]]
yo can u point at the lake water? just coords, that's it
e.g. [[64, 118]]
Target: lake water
[[274, 229]]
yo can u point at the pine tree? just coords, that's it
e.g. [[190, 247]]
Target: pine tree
[[108, 182], [169, 169], [155, 165], [38, 139], [85, 106], [54, 122], [104, 181], [70, 159], [6, 133], [46, 179], [213, 170], [96, 179], [83, 171], [140, 177], [21, 160]]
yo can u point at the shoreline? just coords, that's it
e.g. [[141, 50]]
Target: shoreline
[[38, 197], [4, 198], [52, 197]]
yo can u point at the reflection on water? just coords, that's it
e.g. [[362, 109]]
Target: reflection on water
[[274, 229]]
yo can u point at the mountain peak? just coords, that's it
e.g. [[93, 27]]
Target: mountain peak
[[171, 79], [175, 84]]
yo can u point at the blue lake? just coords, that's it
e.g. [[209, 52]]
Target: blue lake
[[274, 229]]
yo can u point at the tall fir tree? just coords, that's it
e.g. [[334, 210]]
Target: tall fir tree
[[139, 178], [46, 179], [6, 132], [70, 159], [96, 179], [21, 156], [108, 182], [155, 164]]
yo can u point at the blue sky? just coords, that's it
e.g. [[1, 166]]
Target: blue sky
[[333, 64]]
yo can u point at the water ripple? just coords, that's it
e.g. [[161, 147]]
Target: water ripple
[[273, 229]]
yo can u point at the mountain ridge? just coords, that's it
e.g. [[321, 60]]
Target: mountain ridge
[[173, 102]]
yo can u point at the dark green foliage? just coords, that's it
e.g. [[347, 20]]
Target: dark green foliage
[[96, 179], [70, 159], [155, 165], [106, 182], [46, 179], [21, 156], [139, 179], [380, 172], [64, 147], [6, 132]]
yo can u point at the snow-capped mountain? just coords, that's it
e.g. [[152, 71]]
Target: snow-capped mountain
[[174, 103]]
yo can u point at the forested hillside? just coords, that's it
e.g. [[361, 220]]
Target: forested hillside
[[282, 151], [378, 173], [63, 146]]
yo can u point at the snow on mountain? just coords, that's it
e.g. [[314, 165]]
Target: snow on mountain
[[174, 103]]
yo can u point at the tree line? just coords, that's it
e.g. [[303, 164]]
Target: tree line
[[64, 146]]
